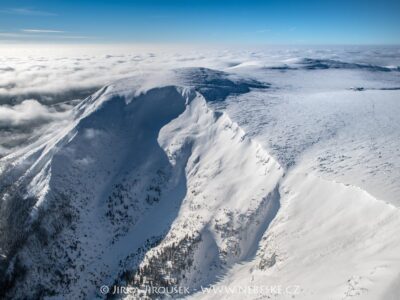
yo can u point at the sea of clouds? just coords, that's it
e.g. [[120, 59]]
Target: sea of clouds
[[40, 84]]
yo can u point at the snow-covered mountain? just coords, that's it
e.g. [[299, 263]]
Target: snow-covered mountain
[[151, 184]]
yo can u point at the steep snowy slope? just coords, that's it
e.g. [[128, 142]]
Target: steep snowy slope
[[132, 175], [328, 241], [149, 183]]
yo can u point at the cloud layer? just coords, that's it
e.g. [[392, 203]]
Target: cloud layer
[[37, 83], [46, 72], [28, 112]]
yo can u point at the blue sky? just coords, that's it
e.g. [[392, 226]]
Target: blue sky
[[201, 21]]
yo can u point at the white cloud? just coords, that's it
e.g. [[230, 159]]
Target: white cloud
[[26, 12], [26, 113], [53, 73], [42, 31], [33, 70], [37, 34], [13, 34]]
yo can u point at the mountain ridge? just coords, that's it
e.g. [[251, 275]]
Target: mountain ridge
[[147, 185]]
